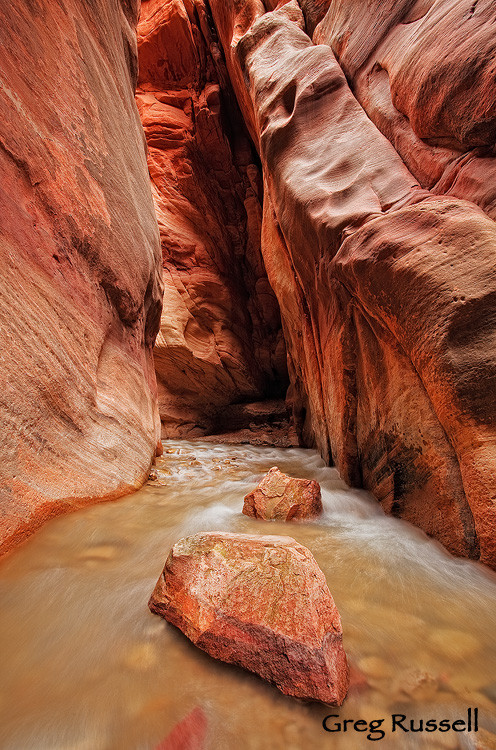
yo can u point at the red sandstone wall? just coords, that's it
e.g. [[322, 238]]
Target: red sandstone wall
[[387, 290], [425, 76], [378, 239], [220, 340], [80, 277]]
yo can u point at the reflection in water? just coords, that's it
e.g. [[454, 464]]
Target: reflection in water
[[86, 666]]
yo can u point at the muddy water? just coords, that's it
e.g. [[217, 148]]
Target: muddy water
[[85, 666]]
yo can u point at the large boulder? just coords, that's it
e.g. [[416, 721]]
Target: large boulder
[[283, 498], [261, 603]]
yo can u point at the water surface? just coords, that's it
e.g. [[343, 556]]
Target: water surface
[[86, 666]]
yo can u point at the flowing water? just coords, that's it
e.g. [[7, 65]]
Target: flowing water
[[86, 666]]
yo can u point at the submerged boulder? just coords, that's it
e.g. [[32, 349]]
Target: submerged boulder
[[188, 734], [283, 498], [261, 603]]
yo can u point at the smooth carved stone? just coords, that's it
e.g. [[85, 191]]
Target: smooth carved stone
[[261, 603], [283, 498], [372, 238], [387, 291], [437, 109], [80, 275]]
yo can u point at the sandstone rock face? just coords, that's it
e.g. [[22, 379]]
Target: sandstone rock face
[[437, 109], [267, 422], [283, 498], [373, 252], [220, 340], [379, 243], [80, 277], [261, 603]]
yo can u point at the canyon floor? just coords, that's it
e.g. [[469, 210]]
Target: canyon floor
[[86, 666]]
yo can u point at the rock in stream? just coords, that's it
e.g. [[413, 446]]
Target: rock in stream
[[284, 498], [261, 603]]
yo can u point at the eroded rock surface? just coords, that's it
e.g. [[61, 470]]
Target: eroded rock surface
[[261, 603], [377, 234], [283, 498], [220, 340], [267, 422], [387, 290], [424, 72], [80, 277]]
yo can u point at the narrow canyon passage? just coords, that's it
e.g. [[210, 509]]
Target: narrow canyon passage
[[322, 225], [268, 223], [86, 666]]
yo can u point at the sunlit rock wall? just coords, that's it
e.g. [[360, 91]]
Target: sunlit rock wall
[[80, 276]]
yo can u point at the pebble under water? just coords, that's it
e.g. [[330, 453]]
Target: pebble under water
[[86, 666]]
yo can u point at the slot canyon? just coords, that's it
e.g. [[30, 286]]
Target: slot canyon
[[240, 235], [369, 245], [325, 202]]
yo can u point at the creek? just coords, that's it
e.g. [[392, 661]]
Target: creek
[[86, 666]]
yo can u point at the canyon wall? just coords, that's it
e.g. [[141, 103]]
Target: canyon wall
[[324, 181], [375, 128], [220, 339], [80, 276]]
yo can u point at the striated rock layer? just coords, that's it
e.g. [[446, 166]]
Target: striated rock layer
[[80, 281], [379, 242], [424, 72], [220, 340], [261, 603]]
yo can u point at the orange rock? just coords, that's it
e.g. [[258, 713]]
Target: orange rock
[[221, 340], [80, 275], [261, 603], [283, 498]]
